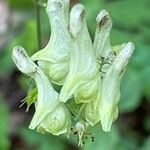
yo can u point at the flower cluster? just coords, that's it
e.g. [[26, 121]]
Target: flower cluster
[[89, 74]]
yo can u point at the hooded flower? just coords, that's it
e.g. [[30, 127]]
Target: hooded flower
[[47, 107], [54, 58], [110, 92], [82, 79]]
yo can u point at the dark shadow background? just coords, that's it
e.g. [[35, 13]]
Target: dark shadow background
[[18, 27]]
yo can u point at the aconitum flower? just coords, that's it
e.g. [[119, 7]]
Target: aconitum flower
[[83, 78], [110, 93], [54, 58], [48, 108], [113, 61]]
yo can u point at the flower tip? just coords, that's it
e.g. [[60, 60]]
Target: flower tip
[[17, 51], [107, 116], [77, 16], [31, 126], [131, 46], [79, 7], [22, 60], [102, 13], [53, 5], [104, 19], [106, 124]]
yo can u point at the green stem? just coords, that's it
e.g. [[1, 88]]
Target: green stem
[[38, 21]]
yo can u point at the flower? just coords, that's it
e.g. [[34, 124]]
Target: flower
[[50, 115], [82, 79], [54, 58], [110, 92]]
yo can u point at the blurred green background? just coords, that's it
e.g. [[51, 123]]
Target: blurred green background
[[18, 27]]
